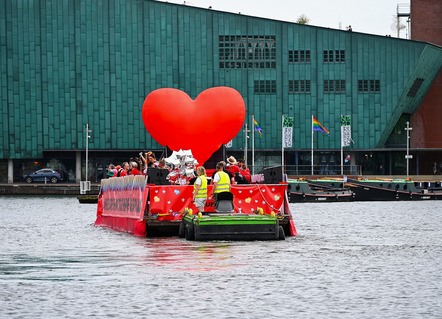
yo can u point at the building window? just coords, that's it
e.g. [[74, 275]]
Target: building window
[[265, 87], [334, 56], [236, 51], [299, 56], [334, 86], [415, 87], [369, 86], [299, 86]]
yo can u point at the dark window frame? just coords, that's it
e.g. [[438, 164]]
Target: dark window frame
[[334, 86], [334, 56], [299, 56], [264, 87], [240, 51], [299, 86], [369, 86]]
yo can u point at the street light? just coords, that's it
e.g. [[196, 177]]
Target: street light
[[408, 156], [246, 131], [87, 147], [86, 186]]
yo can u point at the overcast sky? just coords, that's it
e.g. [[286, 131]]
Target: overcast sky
[[367, 16]]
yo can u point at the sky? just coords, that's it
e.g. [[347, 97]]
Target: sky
[[366, 16]]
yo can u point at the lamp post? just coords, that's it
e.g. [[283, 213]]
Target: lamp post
[[408, 156], [87, 147], [246, 136]]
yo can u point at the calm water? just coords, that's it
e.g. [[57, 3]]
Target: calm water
[[351, 260]]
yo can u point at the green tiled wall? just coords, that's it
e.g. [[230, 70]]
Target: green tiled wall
[[65, 63]]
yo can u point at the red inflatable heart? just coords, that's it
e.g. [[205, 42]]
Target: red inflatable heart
[[202, 125]]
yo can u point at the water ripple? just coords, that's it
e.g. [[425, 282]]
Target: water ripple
[[350, 260]]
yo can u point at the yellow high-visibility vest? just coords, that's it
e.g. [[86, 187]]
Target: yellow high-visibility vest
[[202, 192], [224, 183]]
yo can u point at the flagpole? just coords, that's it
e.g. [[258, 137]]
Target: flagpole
[[245, 148], [253, 144], [312, 145], [342, 152]]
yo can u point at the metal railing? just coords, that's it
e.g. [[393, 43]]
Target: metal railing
[[325, 170]]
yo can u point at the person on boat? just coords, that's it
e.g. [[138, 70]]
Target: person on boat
[[150, 159], [110, 174], [221, 181], [143, 162], [124, 169], [134, 169], [117, 170], [232, 165], [245, 172], [110, 168], [232, 178], [200, 189], [162, 164]]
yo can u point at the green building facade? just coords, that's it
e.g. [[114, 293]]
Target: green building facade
[[65, 64]]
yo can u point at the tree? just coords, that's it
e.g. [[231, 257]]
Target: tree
[[302, 19]]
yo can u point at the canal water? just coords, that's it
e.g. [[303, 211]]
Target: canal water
[[350, 260]]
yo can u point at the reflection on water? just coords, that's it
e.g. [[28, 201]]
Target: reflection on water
[[351, 260], [175, 254]]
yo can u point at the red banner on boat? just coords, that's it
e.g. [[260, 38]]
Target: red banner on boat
[[169, 202], [250, 197], [125, 203]]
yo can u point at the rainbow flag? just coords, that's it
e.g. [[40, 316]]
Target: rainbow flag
[[318, 127], [257, 128]]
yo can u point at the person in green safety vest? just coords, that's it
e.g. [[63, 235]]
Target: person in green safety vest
[[221, 181], [200, 189]]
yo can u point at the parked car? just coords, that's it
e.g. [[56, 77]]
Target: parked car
[[42, 175]]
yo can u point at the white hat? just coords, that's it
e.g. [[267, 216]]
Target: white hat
[[232, 160]]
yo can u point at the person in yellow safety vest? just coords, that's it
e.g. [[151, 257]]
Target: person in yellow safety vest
[[221, 181], [200, 189]]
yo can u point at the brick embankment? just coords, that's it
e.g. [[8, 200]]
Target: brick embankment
[[45, 189]]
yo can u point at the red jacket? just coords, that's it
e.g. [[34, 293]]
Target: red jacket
[[246, 174], [134, 171], [233, 169]]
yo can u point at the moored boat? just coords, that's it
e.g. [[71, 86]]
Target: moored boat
[[87, 199], [390, 190], [300, 191], [337, 183]]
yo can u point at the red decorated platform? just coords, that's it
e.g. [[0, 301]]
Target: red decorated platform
[[149, 210]]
